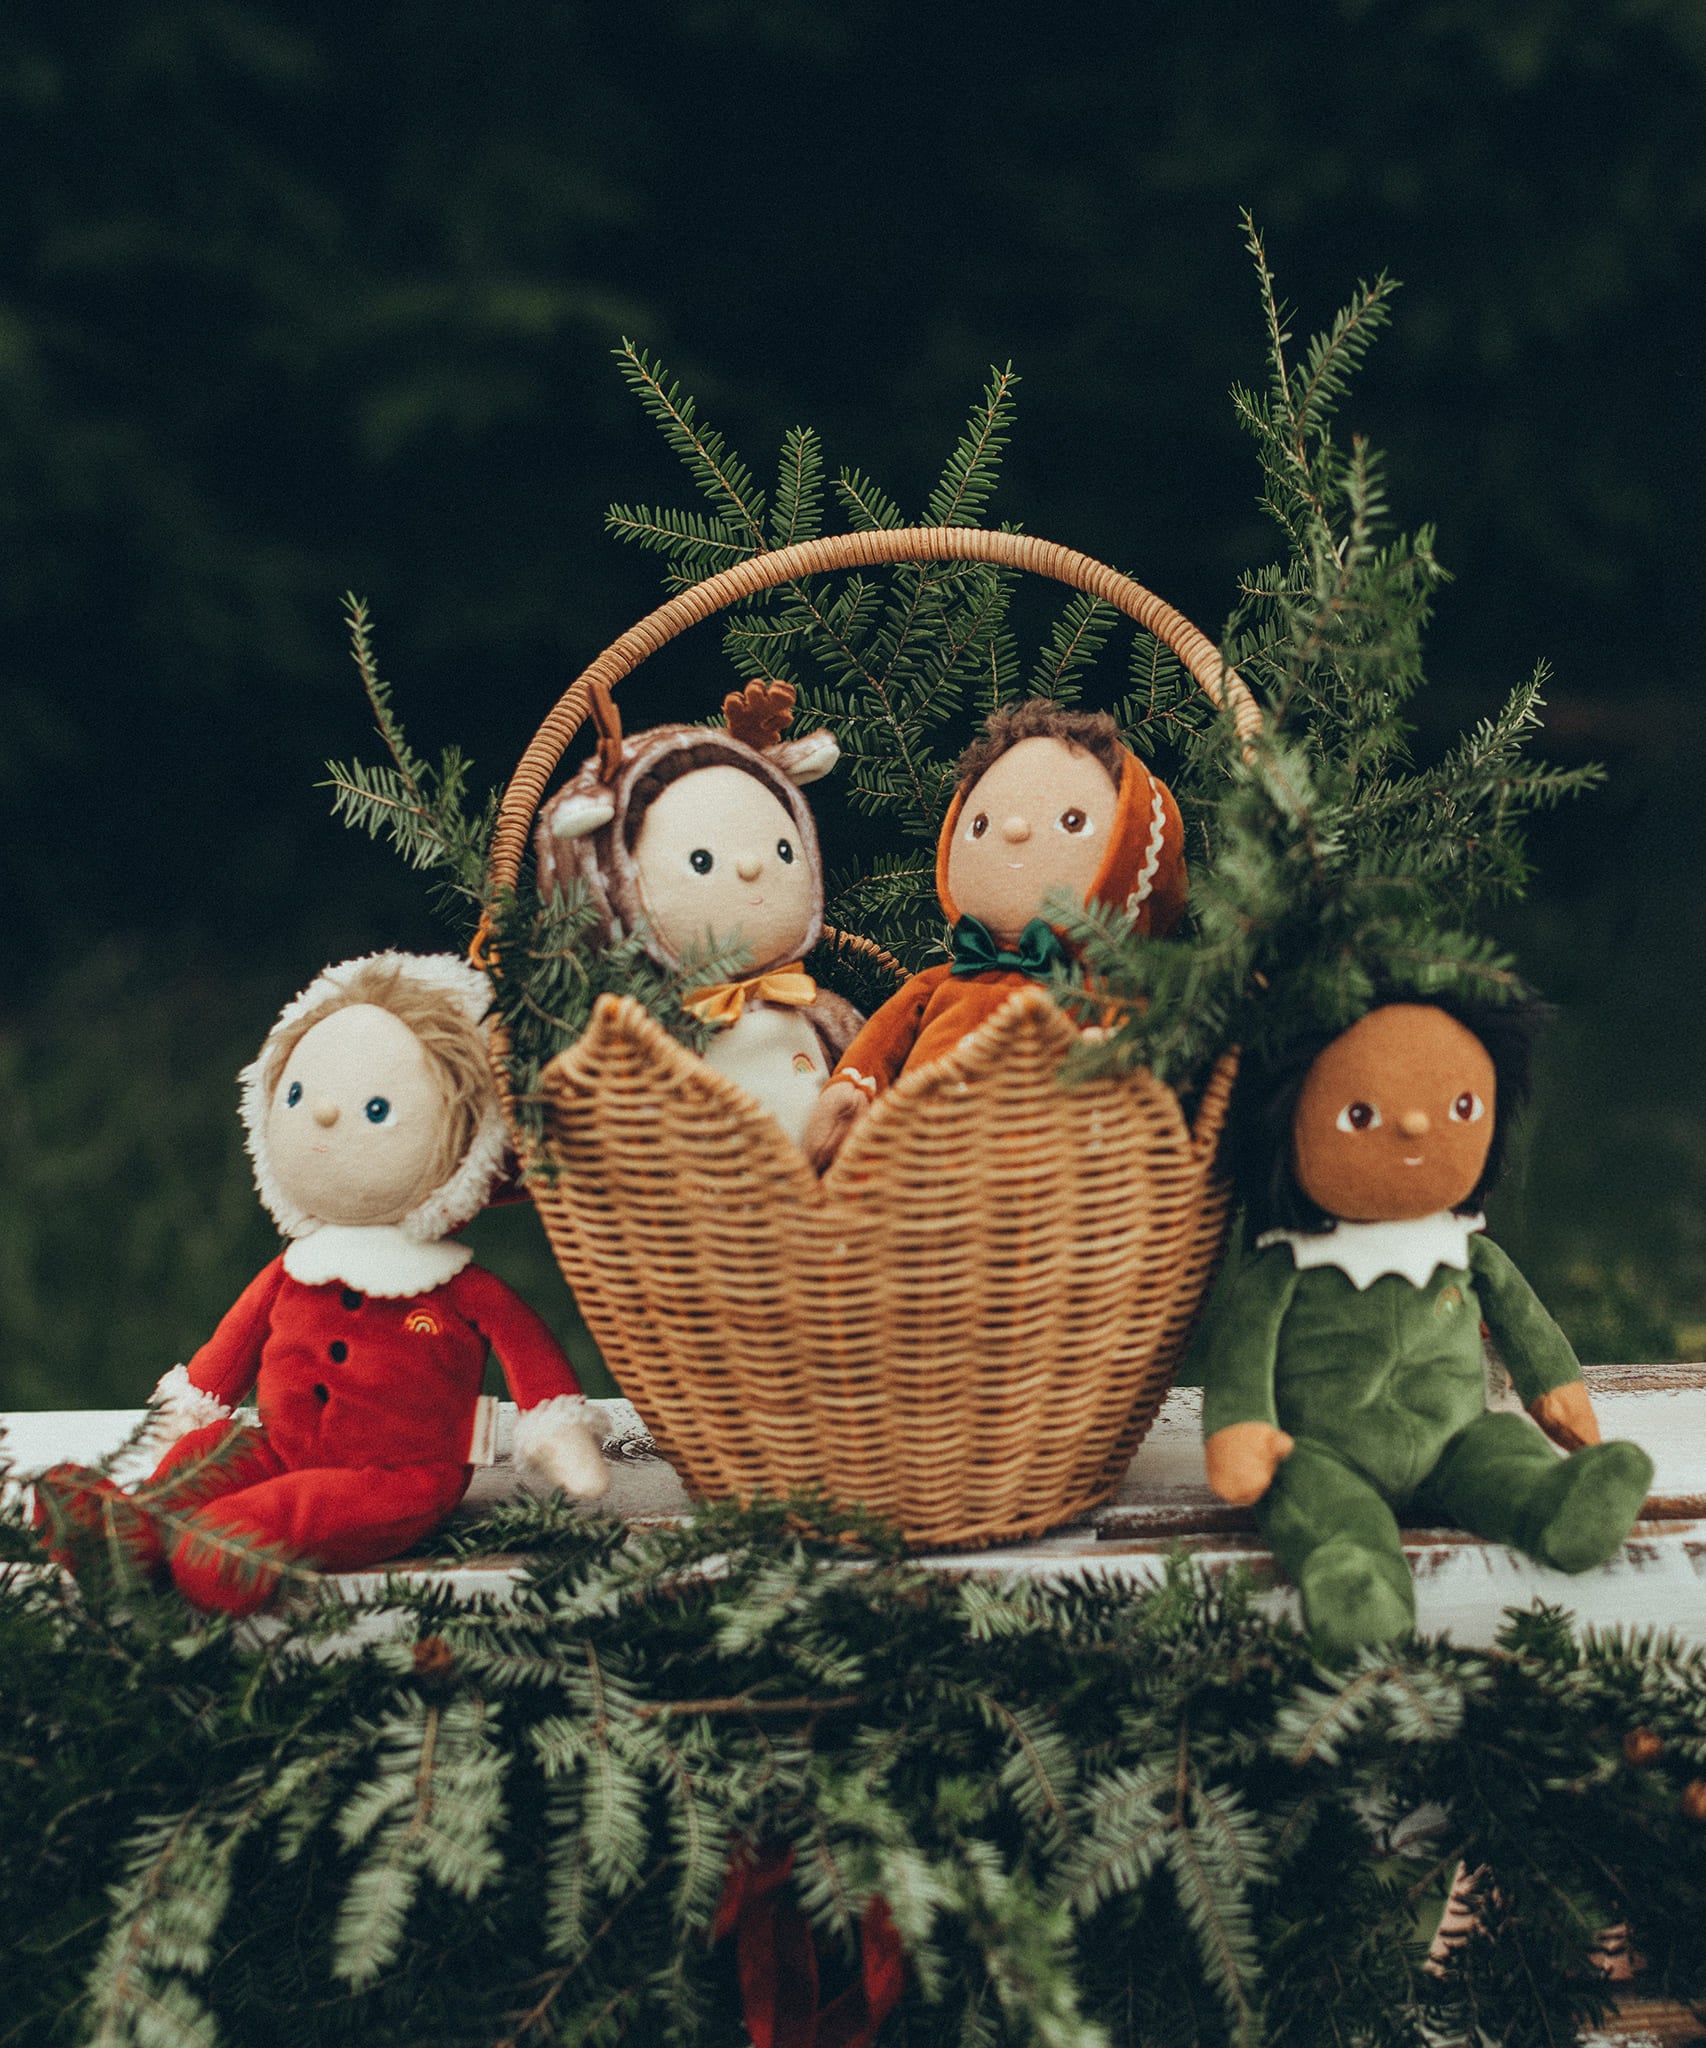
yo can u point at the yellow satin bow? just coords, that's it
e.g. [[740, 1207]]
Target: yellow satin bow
[[722, 1003]]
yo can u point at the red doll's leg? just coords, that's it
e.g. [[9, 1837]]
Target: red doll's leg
[[336, 1518], [80, 1512], [222, 1458]]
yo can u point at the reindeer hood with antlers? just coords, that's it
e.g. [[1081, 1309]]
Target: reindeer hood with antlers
[[589, 831]]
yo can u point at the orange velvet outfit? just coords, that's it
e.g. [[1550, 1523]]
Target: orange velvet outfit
[[1143, 871]]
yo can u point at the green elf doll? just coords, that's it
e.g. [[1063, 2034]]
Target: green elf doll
[[1341, 1361]]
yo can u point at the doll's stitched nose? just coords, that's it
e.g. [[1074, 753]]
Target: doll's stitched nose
[[749, 867], [325, 1114], [1016, 830], [1414, 1123]]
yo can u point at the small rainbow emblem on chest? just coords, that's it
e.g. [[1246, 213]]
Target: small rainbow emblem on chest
[[421, 1322]]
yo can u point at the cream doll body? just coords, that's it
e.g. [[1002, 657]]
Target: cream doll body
[[720, 870], [699, 841]]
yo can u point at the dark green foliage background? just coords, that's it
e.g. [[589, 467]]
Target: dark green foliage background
[[296, 298]]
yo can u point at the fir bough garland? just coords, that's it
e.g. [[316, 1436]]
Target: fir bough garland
[[1326, 864], [1099, 1818]]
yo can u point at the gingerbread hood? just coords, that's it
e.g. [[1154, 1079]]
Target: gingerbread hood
[[454, 1201], [587, 831], [1143, 870]]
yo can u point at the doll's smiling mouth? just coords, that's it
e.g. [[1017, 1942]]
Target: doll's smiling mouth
[[1417, 1161]]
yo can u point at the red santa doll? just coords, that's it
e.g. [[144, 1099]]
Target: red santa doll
[[375, 1132]]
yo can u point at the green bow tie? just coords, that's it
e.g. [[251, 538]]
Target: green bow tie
[[1039, 952]]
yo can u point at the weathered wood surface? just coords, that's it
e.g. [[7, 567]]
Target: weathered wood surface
[[1462, 1585]]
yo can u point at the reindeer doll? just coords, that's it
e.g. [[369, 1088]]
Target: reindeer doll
[[696, 838]]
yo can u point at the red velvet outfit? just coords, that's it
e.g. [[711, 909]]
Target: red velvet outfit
[[367, 1406]]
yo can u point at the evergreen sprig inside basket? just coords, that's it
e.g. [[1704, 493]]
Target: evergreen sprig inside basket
[[896, 661], [1326, 862], [1333, 864]]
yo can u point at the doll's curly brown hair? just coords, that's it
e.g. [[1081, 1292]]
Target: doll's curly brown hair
[[1040, 718]]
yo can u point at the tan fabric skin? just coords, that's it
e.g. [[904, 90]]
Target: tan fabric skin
[[1396, 1117], [750, 890], [1243, 1459], [1039, 820]]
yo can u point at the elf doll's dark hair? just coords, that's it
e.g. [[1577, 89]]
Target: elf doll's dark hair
[[1256, 1149]]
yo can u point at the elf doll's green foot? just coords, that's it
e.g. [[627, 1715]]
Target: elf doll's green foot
[[1591, 1506], [1352, 1596]]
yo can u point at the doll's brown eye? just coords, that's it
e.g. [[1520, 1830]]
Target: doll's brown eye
[[784, 852], [1468, 1109], [1359, 1116], [700, 861], [980, 825], [1072, 821]]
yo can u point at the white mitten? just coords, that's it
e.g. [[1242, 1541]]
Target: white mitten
[[556, 1445], [179, 1406]]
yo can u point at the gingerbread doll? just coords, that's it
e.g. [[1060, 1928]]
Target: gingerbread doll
[[697, 838], [1343, 1383], [375, 1132], [1049, 802]]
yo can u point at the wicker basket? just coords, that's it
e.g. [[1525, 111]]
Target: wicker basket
[[970, 1322]]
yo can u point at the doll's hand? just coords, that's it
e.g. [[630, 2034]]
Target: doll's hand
[[556, 1448], [834, 1114], [1242, 1460], [1566, 1414]]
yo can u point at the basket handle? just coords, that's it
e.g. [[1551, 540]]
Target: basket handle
[[812, 558]]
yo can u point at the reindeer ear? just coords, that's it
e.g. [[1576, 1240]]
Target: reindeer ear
[[576, 812], [806, 759]]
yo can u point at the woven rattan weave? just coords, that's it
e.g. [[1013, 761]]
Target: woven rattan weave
[[968, 1325]]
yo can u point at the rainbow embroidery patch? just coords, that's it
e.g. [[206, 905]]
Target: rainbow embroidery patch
[[421, 1322]]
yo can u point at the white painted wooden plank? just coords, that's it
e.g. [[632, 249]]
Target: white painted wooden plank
[[1462, 1585]]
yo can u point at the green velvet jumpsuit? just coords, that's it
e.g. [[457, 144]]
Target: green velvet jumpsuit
[[1383, 1390]]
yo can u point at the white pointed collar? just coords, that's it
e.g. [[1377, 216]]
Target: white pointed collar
[[373, 1258], [1363, 1252]]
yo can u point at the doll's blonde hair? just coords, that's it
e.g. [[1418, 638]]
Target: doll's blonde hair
[[455, 1048]]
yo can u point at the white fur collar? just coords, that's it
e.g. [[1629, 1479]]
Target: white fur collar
[[373, 1258], [1363, 1252]]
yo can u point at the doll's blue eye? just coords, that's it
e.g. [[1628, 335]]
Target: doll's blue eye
[[377, 1108], [784, 851], [293, 1095], [700, 861]]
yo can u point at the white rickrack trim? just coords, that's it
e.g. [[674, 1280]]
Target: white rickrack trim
[[1152, 853], [866, 1081]]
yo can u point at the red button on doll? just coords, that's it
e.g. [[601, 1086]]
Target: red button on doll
[[1050, 802], [375, 1131]]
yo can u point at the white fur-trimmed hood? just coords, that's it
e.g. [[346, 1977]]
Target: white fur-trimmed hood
[[457, 1199]]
